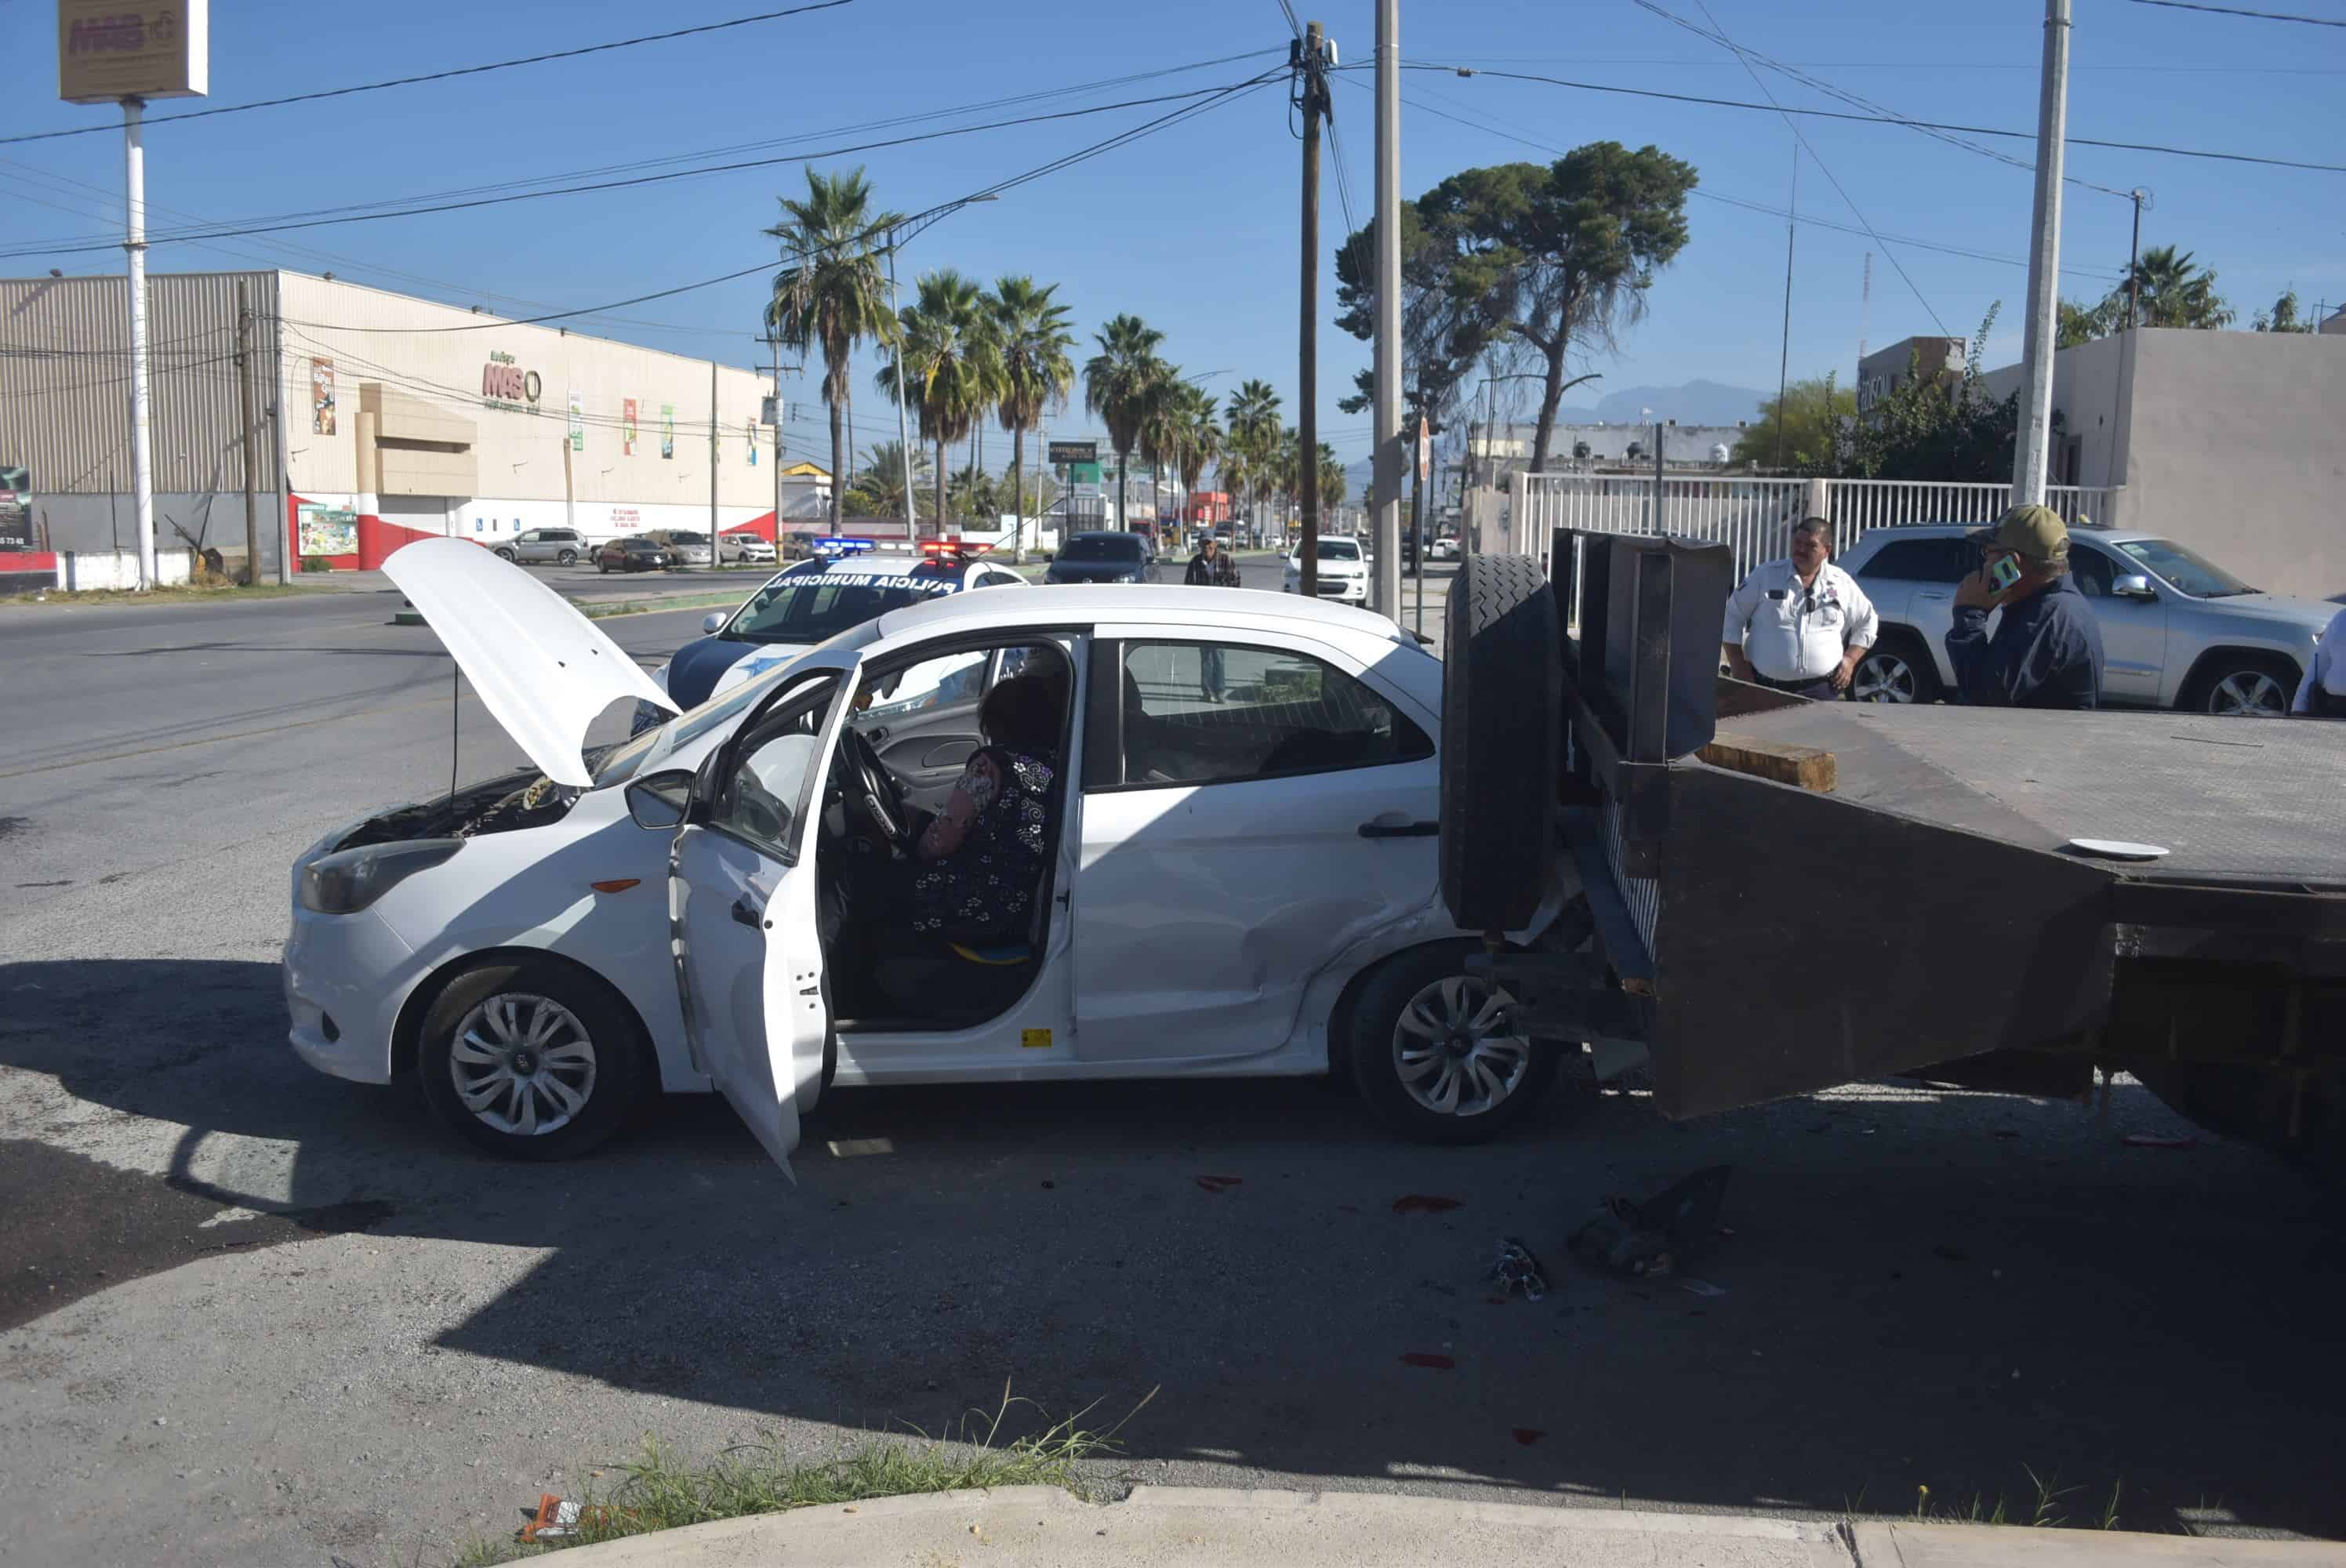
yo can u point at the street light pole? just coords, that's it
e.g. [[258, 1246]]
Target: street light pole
[[1386, 384], [903, 430], [2032, 448], [134, 240]]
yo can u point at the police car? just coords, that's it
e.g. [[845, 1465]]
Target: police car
[[846, 582]]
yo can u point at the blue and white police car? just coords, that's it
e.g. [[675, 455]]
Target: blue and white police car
[[849, 581]]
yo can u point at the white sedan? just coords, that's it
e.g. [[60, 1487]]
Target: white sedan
[[1343, 570], [1237, 887]]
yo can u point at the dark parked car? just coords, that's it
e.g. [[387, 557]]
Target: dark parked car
[[1103, 558], [632, 555]]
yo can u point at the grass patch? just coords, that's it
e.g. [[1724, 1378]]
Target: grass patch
[[607, 609], [2045, 1505], [659, 1491], [182, 593]]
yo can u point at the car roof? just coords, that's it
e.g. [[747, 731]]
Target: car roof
[[1888, 532], [1138, 604]]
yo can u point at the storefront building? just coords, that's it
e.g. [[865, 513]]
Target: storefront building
[[376, 418]]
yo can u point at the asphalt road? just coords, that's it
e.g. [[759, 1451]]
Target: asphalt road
[[250, 1315]]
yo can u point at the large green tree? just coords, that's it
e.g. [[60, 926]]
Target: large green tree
[[952, 365], [1031, 334], [1119, 383], [878, 488], [1811, 414], [1557, 258], [831, 293]]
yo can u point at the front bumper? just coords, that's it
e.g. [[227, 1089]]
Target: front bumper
[[345, 977]]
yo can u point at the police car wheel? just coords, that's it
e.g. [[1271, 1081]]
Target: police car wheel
[[1435, 1051]]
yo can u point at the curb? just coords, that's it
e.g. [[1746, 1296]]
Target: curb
[[1043, 1527]]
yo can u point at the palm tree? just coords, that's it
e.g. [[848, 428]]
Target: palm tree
[[1118, 381], [1253, 437], [952, 366], [831, 292], [1164, 424], [1032, 335], [2176, 291], [879, 487], [1201, 438], [1332, 477]]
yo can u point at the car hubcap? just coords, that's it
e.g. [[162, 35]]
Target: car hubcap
[[2250, 691], [523, 1064], [1883, 679], [1453, 1048]]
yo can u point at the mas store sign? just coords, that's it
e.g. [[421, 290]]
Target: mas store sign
[[505, 384]]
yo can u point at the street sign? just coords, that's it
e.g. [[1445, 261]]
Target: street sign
[[1073, 451], [111, 49]]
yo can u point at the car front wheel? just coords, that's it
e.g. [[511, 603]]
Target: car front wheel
[[1435, 1052], [531, 1059], [2249, 687], [569, 557], [505, 555]]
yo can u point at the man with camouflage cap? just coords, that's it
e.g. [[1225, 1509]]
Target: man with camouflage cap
[[2047, 648]]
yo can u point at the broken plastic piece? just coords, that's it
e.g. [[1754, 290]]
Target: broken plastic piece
[[1517, 1269], [1425, 1203], [1656, 1236], [1429, 1359]]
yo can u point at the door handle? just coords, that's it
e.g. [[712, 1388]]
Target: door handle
[[744, 915], [1400, 830], [876, 734]]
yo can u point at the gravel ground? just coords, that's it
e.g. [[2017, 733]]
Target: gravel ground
[[253, 1316]]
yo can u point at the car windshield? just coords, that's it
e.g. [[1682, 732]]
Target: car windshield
[[807, 604], [618, 764], [1339, 550], [1102, 547], [2189, 573]]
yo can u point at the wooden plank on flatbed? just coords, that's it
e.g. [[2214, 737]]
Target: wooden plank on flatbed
[[1781, 762]]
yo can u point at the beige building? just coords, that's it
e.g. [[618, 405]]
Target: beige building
[[377, 418], [2228, 441]]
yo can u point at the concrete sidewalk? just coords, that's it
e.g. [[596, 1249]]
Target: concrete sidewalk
[[1175, 1527]]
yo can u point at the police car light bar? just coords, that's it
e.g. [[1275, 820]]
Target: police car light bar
[[955, 545], [842, 546]]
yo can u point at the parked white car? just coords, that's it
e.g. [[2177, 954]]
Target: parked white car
[[1443, 549], [1343, 573], [742, 547], [1238, 888], [2178, 630]]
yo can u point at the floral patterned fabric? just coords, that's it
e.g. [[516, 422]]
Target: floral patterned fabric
[[983, 858]]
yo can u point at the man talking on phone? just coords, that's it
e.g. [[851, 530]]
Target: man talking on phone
[[2047, 648]]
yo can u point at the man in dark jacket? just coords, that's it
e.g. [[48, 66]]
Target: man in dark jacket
[[2048, 648], [1209, 569]]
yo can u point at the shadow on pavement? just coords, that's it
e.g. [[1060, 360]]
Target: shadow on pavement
[[1918, 1289]]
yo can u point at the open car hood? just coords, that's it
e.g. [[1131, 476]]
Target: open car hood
[[544, 671]]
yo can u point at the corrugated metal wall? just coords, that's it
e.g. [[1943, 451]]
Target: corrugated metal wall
[[65, 382]]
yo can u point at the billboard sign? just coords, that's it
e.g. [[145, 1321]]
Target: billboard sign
[[505, 384], [326, 531], [668, 430], [322, 397], [108, 50], [1073, 451]]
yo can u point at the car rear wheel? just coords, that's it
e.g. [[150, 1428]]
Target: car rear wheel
[[532, 1060], [569, 557], [1435, 1052], [2244, 686], [505, 554], [1895, 669]]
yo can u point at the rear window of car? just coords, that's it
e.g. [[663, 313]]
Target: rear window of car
[[1920, 561], [1102, 547]]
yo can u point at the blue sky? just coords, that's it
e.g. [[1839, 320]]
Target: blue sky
[[1194, 228]]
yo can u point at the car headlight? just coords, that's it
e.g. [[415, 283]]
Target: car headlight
[[347, 883]]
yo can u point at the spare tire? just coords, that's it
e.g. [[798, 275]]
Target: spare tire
[[1501, 701]]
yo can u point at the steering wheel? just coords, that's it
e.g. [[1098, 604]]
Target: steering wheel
[[874, 798]]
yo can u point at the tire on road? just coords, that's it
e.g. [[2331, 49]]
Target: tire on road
[[592, 1048], [1501, 695], [505, 554], [567, 559], [1421, 1064], [2241, 683]]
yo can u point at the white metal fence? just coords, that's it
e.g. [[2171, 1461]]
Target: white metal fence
[[1754, 517]]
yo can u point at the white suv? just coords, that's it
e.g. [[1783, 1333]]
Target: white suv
[[1343, 573], [2178, 631]]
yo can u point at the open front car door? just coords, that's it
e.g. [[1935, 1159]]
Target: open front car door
[[742, 905]]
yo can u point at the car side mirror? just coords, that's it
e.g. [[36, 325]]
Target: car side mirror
[[712, 621], [662, 802], [2136, 586]]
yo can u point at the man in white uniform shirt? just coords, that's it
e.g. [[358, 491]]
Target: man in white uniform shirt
[[1799, 625], [2322, 692]]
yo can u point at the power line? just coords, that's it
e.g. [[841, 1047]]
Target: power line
[[1213, 96], [1747, 55], [2231, 11], [1869, 119], [440, 75]]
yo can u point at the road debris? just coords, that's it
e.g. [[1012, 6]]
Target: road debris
[[1528, 1435], [1427, 1358], [1656, 1236], [1425, 1203], [1220, 1183], [2144, 1141], [1516, 1269]]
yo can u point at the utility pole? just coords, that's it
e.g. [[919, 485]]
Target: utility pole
[[2133, 259], [778, 448], [244, 396], [903, 431], [1312, 55], [712, 462], [1387, 386], [1784, 356], [2044, 264], [134, 240]]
